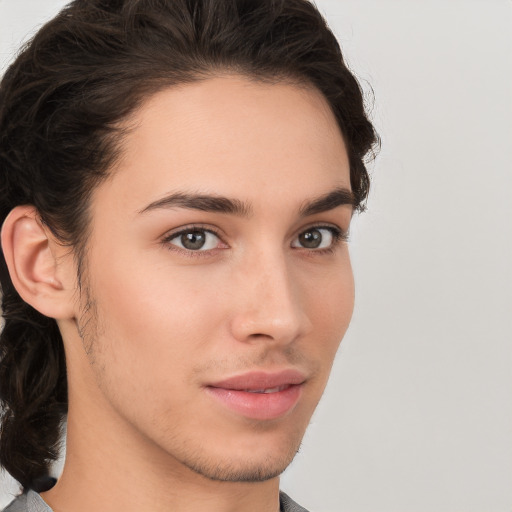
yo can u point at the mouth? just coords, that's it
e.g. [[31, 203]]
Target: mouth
[[268, 390], [259, 395]]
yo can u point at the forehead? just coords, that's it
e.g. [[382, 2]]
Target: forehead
[[232, 136]]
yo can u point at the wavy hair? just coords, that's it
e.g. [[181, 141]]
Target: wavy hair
[[61, 102]]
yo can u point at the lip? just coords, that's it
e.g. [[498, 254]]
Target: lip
[[259, 395]]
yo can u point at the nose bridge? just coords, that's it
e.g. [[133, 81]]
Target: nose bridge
[[270, 305]]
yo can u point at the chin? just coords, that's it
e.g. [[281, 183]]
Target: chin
[[242, 471], [263, 460]]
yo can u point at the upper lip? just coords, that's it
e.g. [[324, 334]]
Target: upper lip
[[256, 380]]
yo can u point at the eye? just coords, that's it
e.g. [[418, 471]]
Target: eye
[[317, 238], [194, 239]]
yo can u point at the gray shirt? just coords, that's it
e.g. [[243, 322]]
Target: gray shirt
[[32, 502]]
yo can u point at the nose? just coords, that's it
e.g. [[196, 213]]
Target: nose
[[271, 306]]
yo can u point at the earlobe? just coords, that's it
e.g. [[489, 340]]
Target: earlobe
[[29, 251]]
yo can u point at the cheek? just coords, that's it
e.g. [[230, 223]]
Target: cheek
[[158, 321], [152, 327], [156, 308], [330, 308]]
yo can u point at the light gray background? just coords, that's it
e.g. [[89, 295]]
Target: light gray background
[[418, 413]]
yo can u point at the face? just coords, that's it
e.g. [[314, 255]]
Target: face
[[218, 276]]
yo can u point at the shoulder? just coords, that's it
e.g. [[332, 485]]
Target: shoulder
[[288, 505], [28, 502], [19, 504]]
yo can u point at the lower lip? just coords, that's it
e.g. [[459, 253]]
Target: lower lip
[[258, 406]]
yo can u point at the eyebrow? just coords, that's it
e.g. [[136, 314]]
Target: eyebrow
[[219, 204], [338, 197], [202, 202]]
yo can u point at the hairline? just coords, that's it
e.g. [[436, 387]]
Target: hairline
[[144, 91]]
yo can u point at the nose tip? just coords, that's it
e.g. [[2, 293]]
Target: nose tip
[[270, 329], [270, 310]]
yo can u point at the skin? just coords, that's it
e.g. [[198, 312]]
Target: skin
[[156, 323]]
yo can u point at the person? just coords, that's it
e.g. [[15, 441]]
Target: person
[[177, 184]]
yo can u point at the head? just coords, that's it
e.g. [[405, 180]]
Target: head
[[174, 171]]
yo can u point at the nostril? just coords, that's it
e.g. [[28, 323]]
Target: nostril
[[260, 335]]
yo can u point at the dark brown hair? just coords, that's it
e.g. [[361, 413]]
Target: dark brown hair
[[61, 102]]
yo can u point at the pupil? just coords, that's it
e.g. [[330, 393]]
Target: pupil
[[311, 239], [193, 240]]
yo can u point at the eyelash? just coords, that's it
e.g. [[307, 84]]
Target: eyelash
[[338, 235]]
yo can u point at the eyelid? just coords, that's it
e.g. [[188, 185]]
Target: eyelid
[[169, 235], [339, 231]]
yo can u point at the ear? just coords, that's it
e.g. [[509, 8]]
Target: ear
[[38, 264]]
